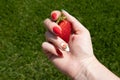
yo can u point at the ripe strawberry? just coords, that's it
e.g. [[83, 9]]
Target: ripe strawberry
[[66, 30], [65, 27]]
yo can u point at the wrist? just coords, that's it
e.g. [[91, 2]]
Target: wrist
[[94, 70], [83, 73]]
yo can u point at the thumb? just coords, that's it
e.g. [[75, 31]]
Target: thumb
[[76, 25]]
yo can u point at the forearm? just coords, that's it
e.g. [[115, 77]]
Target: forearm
[[96, 71]]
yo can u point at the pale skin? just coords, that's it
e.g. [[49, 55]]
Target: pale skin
[[79, 63]]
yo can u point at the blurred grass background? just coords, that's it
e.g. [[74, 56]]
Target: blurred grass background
[[22, 33]]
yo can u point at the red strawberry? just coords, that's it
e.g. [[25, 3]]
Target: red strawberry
[[65, 27], [66, 30]]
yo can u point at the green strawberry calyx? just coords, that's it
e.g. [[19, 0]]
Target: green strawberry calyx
[[62, 17]]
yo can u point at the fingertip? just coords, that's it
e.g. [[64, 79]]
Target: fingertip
[[57, 30], [46, 21], [63, 11], [60, 54], [68, 16], [48, 47], [44, 45], [55, 15]]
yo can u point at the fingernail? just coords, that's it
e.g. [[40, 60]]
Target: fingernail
[[54, 15], [56, 30], [59, 53], [65, 47]]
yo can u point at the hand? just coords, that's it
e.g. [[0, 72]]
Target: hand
[[81, 52]]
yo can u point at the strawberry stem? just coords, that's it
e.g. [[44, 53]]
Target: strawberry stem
[[62, 17]]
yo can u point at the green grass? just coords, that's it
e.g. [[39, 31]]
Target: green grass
[[22, 33]]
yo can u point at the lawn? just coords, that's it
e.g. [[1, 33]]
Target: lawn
[[22, 33]]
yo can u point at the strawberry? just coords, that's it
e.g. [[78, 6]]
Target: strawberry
[[65, 27], [66, 30]]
